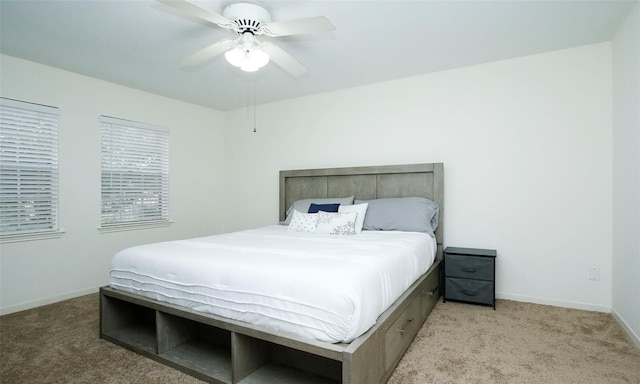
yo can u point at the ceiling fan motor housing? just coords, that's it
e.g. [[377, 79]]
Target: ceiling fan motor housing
[[248, 17]]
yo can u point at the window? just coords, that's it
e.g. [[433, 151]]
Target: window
[[28, 171], [135, 174]]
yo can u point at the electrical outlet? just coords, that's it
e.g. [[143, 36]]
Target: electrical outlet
[[594, 274]]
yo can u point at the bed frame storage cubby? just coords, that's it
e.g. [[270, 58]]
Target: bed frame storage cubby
[[221, 350], [206, 346], [197, 347], [265, 362], [124, 321]]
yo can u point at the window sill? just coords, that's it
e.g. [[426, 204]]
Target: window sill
[[134, 226], [14, 238]]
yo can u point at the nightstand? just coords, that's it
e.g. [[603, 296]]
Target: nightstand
[[470, 275]]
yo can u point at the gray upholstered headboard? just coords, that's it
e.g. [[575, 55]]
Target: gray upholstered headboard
[[365, 183]]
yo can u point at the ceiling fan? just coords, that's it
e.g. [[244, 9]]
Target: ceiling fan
[[250, 21]]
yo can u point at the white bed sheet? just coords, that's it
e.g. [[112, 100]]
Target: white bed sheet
[[324, 287]]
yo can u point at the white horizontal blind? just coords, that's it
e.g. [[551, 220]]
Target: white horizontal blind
[[135, 173], [28, 168]]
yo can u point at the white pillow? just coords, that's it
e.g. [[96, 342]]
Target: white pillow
[[303, 205], [303, 222], [336, 223], [360, 209]]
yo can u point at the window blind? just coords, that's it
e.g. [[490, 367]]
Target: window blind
[[135, 173], [28, 168]]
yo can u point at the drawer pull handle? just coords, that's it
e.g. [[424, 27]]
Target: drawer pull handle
[[433, 292], [468, 269], [409, 319]]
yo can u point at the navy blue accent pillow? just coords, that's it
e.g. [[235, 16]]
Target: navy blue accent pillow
[[314, 208]]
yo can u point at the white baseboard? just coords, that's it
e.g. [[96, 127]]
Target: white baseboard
[[634, 337], [555, 303], [49, 300]]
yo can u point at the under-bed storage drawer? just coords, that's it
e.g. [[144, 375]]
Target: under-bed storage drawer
[[401, 332], [430, 294]]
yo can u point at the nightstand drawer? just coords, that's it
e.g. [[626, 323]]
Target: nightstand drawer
[[476, 291], [469, 267]]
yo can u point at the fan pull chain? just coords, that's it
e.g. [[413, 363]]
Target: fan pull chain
[[249, 102], [254, 109]]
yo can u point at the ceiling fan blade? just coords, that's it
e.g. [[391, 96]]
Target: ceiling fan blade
[[199, 12], [309, 25], [209, 52], [284, 60]]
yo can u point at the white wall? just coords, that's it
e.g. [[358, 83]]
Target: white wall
[[38, 272], [527, 150], [626, 174], [526, 143]]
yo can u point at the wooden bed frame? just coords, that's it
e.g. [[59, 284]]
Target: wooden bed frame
[[221, 350]]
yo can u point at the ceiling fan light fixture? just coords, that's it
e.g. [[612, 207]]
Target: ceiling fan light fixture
[[249, 67], [259, 57], [254, 60], [247, 55], [235, 56], [249, 60]]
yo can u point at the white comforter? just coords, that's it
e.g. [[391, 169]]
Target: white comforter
[[324, 287]]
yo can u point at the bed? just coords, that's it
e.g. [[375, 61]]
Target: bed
[[238, 346]]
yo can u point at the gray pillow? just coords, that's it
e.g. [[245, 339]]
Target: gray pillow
[[412, 214], [303, 205]]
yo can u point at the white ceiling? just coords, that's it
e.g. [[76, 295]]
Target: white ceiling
[[139, 43]]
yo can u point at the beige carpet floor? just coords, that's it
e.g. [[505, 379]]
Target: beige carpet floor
[[459, 343], [519, 343]]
